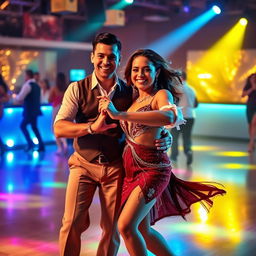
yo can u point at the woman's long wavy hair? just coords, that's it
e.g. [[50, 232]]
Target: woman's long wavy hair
[[167, 78]]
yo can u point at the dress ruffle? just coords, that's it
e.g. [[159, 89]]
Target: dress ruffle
[[151, 170]]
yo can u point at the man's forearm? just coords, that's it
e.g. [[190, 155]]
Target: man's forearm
[[68, 129]]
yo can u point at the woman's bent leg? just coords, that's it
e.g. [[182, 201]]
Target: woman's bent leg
[[133, 212], [154, 240]]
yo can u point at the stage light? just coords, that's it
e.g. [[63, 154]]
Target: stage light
[[129, 1], [222, 61], [4, 4], [9, 110], [177, 37], [216, 9], [186, 6], [10, 157], [186, 9], [10, 187], [35, 140], [10, 143], [204, 76], [35, 154], [243, 21]]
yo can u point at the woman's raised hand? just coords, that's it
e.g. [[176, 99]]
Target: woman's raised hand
[[106, 105]]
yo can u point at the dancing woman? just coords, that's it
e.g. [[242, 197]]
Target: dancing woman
[[151, 191]]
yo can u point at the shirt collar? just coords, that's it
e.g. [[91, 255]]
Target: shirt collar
[[95, 81]]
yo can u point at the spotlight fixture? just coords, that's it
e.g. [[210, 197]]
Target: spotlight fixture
[[217, 6], [10, 143], [216, 9], [186, 9], [129, 1], [243, 21], [186, 6]]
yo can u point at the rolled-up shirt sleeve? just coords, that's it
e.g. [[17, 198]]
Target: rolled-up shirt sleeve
[[69, 106], [25, 90]]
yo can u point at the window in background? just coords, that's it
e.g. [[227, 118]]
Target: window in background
[[77, 74]]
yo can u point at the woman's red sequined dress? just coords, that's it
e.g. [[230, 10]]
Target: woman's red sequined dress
[[151, 169]]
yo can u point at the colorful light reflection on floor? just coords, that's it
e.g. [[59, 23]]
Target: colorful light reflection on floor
[[32, 191]]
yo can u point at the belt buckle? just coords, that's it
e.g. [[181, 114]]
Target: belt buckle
[[103, 160]]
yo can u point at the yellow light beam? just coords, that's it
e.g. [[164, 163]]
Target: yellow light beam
[[221, 64]]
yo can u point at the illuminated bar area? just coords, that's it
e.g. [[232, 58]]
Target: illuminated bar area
[[10, 131]]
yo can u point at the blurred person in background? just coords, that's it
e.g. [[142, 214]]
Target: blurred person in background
[[4, 97], [250, 91], [188, 102], [55, 98], [45, 91], [29, 95], [37, 78]]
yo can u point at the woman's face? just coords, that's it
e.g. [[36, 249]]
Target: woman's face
[[143, 73]]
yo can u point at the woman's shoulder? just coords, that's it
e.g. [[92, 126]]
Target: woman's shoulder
[[162, 97], [163, 93]]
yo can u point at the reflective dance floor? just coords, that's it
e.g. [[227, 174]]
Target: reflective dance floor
[[32, 188]]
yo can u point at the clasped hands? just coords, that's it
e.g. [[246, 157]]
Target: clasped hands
[[106, 105]]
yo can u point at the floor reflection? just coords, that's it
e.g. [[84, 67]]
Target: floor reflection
[[32, 188]]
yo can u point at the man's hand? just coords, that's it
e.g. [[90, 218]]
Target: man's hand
[[100, 124], [165, 142], [106, 105]]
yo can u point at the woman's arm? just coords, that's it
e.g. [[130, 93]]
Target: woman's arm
[[249, 87], [247, 92], [155, 117]]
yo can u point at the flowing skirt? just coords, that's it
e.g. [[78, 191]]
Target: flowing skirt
[[151, 170]]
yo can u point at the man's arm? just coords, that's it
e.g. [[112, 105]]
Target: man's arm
[[68, 129], [64, 125], [25, 90]]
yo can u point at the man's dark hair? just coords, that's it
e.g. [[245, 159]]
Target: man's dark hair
[[29, 73], [106, 38]]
